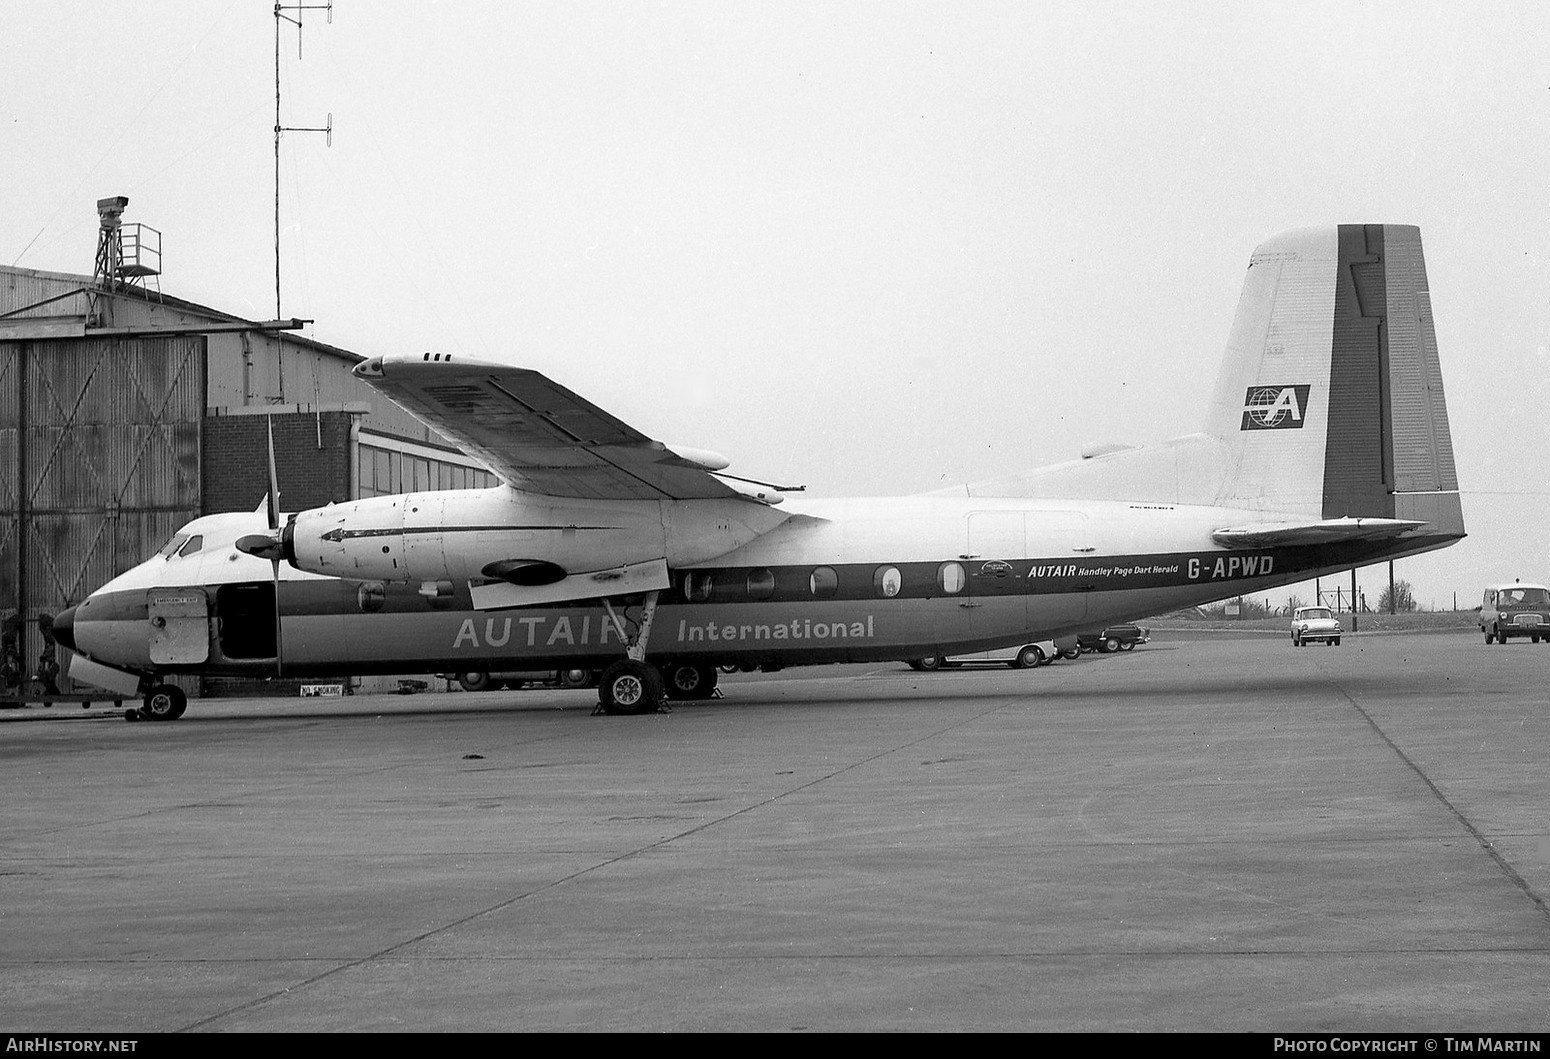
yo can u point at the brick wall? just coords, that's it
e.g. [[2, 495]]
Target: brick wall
[[236, 465]]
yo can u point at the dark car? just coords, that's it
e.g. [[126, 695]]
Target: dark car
[[1114, 638]]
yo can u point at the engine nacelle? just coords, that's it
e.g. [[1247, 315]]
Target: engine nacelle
[[500, 533]]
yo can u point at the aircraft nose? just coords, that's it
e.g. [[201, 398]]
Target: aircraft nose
[[64, 627]]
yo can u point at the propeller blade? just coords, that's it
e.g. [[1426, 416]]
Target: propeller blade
[[274, 480], [279, 647], [273, 554]]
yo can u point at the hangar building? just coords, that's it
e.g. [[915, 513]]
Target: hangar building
[[126, 412]]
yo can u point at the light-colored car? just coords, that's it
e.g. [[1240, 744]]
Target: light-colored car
[[1020, 656], [1518, 609], [1315, 623]]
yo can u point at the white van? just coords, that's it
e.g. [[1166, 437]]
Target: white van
[[1518, 609]]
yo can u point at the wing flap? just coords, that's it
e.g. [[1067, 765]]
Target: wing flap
[[1325, 531], [536, 434]]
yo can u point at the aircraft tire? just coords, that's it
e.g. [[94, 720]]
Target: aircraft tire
[[575, 678], [475, 680], [164, 702], [686, 681], [629, 686]]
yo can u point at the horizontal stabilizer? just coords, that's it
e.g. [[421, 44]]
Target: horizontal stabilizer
[[1327, 531], [615, 581]]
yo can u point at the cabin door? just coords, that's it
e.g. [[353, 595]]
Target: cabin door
[[1047, 551], [995, 590]]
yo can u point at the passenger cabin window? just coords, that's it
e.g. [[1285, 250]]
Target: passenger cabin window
[[696, 586], [823, 583], [888, 581], [761, 584], [951, 577]]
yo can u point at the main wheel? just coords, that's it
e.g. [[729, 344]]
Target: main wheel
[[1028, 657], [575, 678], [164, 702], [475, 681], [687, 681], [629, 686]]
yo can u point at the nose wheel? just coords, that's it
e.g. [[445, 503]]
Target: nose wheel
[[164, 702]]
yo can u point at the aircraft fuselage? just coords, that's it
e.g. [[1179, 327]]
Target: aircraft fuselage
[[840, 581]]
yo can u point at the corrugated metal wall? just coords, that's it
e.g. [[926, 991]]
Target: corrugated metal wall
[[99, 462]]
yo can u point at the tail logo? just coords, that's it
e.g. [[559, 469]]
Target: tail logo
[[1274, 407]]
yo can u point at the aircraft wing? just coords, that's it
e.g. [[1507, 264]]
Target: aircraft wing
[[539, 436], [1325, 531]]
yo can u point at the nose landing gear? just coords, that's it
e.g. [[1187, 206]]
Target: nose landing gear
[[163, 702]]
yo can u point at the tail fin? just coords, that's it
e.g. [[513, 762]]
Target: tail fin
[[1330, 396], [1328, 411]]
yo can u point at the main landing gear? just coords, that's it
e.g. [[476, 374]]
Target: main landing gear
[[634, 685]]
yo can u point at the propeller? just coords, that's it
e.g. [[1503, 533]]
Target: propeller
[[274, 559]]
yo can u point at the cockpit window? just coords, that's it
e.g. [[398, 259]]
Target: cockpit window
[[195, 542], [170, 549]]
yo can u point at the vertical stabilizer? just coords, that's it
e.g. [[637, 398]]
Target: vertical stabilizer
[[1330, 398]]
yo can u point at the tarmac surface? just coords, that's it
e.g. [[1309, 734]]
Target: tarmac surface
[[1207, 834]]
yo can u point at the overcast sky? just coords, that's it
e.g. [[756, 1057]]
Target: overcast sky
[[874, 248]]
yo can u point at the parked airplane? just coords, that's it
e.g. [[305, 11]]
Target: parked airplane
[[1325, 447]]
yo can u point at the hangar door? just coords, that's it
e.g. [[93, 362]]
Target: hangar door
[[99, 463]]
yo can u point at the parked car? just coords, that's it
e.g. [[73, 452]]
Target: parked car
[[1021, 656], [480, 680], [1114, 638], [1518, 609], [1315, 623]]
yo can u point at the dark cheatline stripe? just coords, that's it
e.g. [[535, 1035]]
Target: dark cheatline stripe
[[1358, 459]]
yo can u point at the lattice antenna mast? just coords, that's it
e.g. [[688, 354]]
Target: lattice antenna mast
[[328, 129]]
